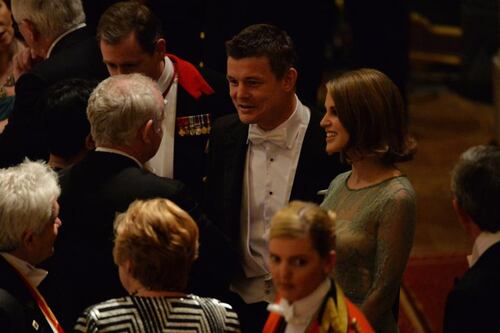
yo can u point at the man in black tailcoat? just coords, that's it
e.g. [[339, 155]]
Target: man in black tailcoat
[[125, 114], [470, 306], [270, 152], [59, 47]]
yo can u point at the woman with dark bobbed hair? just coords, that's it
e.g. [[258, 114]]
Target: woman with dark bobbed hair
[[156, 242], [365, 121]]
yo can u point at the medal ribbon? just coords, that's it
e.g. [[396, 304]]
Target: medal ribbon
[[42, 304]]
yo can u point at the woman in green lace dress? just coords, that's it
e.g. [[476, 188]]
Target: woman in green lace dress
[[366, 122]]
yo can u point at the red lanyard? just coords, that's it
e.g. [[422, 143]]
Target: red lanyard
[[51, 318]]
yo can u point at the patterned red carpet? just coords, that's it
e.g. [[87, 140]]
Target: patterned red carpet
[[426, 284]]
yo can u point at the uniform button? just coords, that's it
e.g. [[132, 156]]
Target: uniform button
[[202, 34]]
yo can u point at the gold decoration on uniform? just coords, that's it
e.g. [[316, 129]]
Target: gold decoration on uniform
[[193, 125], [335, 316]]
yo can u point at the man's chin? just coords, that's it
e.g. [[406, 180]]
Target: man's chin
[[246, 119]]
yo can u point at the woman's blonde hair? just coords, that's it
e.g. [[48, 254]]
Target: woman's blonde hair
[[301, 219], [161, 242]]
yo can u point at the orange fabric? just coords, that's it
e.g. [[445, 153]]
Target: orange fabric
[[355, 313], [274, 319], [190, 78], [272, 323], [42, 304]]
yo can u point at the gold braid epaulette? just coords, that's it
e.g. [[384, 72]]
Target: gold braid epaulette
[[336, 317]]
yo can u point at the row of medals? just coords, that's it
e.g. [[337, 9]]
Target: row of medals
[[193, 125]]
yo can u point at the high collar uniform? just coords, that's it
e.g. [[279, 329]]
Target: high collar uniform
[[336, 314]]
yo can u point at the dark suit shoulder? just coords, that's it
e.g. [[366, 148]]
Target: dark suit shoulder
[[484, 274], [18, 309], [80, 60], [115, 181], [142, 180], [11, 313], [469, 304]]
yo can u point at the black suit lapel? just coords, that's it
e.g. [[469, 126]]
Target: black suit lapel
[[234, 168], [12, 283], [308, 161]]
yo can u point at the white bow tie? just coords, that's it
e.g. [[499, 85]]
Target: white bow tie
[[276, 136], [288, 313]]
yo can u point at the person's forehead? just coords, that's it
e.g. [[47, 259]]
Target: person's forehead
[[249, 66], [127, 46]]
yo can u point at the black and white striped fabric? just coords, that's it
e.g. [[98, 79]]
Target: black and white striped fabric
[[191, 314]]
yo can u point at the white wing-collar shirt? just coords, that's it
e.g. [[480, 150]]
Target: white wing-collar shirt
[[268, 179], [299, 315]]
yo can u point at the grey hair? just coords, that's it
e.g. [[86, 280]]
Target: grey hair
[[51, 17], [475, 183], [28, 193], [120, 105]]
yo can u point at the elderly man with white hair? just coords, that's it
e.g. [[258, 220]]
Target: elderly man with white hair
[[29, 225], [59, 47], [125, 114]]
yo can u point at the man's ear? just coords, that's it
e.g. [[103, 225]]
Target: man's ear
[[466, 220], [290, 79], [463, 217], [331, 259], [146, 131], [161, 47], [28, 239]]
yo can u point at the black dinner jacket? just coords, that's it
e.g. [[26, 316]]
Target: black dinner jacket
[[226, 164], [190, 151], [76, 55], [19, 312], [93, 192], [471, 305]]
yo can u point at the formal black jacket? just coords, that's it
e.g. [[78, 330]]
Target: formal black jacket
[[76, 55], [471, 305], [19, 312], [226, 165], [93, 192]]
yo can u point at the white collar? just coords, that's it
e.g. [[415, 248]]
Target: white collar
[[301, 311], [482, 243], [34, 275], [81, 25], [299, 118], [166, 77], [118, 152]]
